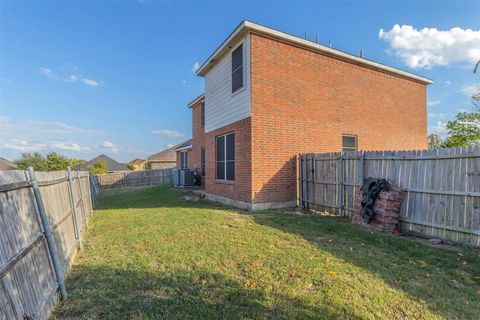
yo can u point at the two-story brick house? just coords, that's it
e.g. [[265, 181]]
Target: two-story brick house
[[270, 96]]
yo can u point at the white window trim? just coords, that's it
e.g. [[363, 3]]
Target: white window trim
[[184, 163]]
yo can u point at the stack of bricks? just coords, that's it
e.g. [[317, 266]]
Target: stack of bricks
[[386, 208]]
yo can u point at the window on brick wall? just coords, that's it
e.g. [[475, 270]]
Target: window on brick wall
[[237, 68], [203, 114], [202, 160], [183, 160], [225, 157], [349, 142]]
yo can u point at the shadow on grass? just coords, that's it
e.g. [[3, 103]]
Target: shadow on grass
[[149, 197], [448, 281], [106, 293]]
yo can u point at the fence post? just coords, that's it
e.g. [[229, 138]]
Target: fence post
[[90, 192], [302, 198], [52, 248], [82, 197], [340, 183], [305, 181], [74, 210], [362, 167]]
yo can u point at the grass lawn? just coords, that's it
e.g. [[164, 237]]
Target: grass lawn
[[152, 254]]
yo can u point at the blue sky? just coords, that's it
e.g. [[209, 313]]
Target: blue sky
[[114, 77]]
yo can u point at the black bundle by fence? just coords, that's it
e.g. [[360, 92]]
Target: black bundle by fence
[[442, 187], [42, 218]]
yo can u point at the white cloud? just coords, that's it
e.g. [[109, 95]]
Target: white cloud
[[439, 128], [440, 116], [110, 146], [91, 82], [24, 146], [169, 145], [429, 47], [65, 145], [195, 67], [448, 82], [470, 89], [433, 103], [35, 127], [71, 78], [33, 146], [47, 72], [69, 73], [168, 133]]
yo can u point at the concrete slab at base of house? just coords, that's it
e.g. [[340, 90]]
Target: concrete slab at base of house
[[248, 206]]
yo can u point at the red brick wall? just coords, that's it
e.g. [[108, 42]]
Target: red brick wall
[[198, 139], [241, 188], [304, 101]]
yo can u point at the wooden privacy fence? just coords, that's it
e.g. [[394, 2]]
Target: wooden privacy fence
[[42, 218], [133, 178], [442, 187]]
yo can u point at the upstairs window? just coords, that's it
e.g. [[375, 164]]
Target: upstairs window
[[225, 147], [237, 68], [349, 143], [203, 114]]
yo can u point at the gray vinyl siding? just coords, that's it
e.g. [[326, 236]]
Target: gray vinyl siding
[[221, 106]]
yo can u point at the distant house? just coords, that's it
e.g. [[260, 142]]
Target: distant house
[[7, 165], [137, 164], [184, 152], [111, 164], [164, 159]]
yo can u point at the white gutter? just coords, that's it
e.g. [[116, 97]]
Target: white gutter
[[184, 148], [247, 26], [196, 100]]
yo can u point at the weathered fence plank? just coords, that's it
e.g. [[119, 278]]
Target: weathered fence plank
[[442, 187], [28, 283], [133, 178]]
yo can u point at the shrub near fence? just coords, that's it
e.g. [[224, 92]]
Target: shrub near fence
[[133, 178], [36, 220], [442, 187]]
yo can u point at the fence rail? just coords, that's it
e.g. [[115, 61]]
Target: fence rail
[[442, 187], [42, 217], [133, 178]]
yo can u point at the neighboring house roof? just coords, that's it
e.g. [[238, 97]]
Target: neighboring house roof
[[184, 145], [247, 26], [7, 165], [137, 161], [167, 155], [111, 164], [196, 100]]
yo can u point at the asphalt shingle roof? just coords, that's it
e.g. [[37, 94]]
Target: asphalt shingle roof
[[111, 164]]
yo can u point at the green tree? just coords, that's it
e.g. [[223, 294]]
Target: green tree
[[56, 161], [464, 131], [36, 160], [435, 141], [73, 163], [148, 165], [99, 167]]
